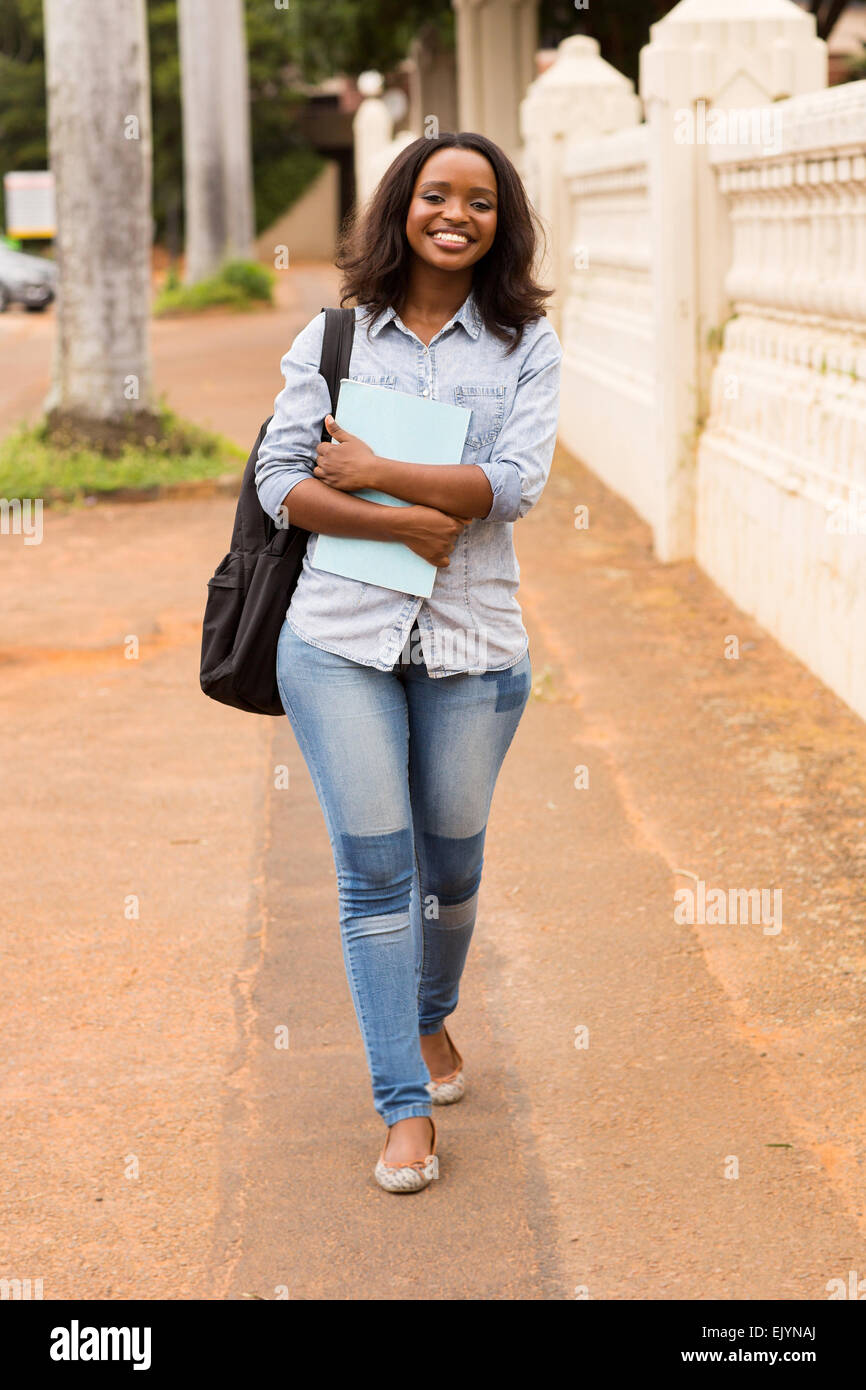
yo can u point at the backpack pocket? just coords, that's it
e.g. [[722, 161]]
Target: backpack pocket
[[225, 601]]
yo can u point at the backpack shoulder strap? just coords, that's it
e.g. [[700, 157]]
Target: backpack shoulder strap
[[253, 530], [336, 352]]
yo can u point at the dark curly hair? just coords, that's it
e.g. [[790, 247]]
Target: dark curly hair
[[374, 253]]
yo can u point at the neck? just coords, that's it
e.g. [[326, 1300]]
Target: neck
[[433, 294]]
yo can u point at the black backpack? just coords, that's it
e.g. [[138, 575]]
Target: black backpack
[[251, 587]]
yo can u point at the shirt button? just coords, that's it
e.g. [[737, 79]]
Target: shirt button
[[426, 391]]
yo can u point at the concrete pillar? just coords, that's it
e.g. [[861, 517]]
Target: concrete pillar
[[371, 130], [375, 146], [704, 57], [237, 137], [432, 84], [496, 43], [577, 98]]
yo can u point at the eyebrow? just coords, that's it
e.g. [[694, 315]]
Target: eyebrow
[[439, 183]]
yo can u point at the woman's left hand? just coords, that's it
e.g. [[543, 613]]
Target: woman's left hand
[[347, 464]]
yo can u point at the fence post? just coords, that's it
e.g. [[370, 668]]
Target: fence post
[[496, 43], [579, 97], [709, 65], [371, 132]]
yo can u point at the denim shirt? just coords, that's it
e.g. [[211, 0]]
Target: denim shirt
[[472, 620]]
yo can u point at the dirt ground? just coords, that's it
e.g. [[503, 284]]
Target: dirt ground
[[654, 1110]]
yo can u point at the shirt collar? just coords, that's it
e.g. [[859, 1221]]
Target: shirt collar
[[468, 315]]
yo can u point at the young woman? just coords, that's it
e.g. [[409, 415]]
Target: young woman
[[403, 754]]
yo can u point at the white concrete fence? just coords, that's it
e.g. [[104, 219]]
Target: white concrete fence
[[781, 464], [710, 267]]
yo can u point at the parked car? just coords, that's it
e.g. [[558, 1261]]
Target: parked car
[[27, 280]]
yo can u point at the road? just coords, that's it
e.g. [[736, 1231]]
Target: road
[[167, 909]]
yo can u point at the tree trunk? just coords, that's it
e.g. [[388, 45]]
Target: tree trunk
[[100, 151], [240, 220], [203, 172], [218, 188]]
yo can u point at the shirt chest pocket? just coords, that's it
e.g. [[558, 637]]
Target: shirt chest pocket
[[487, 404]]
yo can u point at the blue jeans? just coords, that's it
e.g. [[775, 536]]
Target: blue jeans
[[404, 767]]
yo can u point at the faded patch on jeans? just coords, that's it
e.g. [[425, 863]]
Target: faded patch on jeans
[[457, 914], [451, 866], [388, 929], [511, 690], [375, 873]]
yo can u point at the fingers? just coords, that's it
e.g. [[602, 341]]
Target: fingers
[[334, 429], [323, 475]]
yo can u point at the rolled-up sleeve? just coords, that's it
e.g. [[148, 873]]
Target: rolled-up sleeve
[[287, 453], [520, 460]]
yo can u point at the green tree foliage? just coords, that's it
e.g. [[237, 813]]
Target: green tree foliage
[[23, 132], [857, 67], [283, 164], [621, 27], [167, 129], [349, 36]]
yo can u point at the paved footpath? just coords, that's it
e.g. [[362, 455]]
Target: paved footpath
[[155, 1140]]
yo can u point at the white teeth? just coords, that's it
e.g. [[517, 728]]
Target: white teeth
[[451, 236]]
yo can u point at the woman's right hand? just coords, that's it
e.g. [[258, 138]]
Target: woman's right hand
[[430, 533]]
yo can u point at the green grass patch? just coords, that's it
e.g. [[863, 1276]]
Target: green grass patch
[[238, 285], [34, 463]]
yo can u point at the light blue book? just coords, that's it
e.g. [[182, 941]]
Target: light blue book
[[396, 426]]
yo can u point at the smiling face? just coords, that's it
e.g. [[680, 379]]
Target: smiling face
[[451, 221]]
